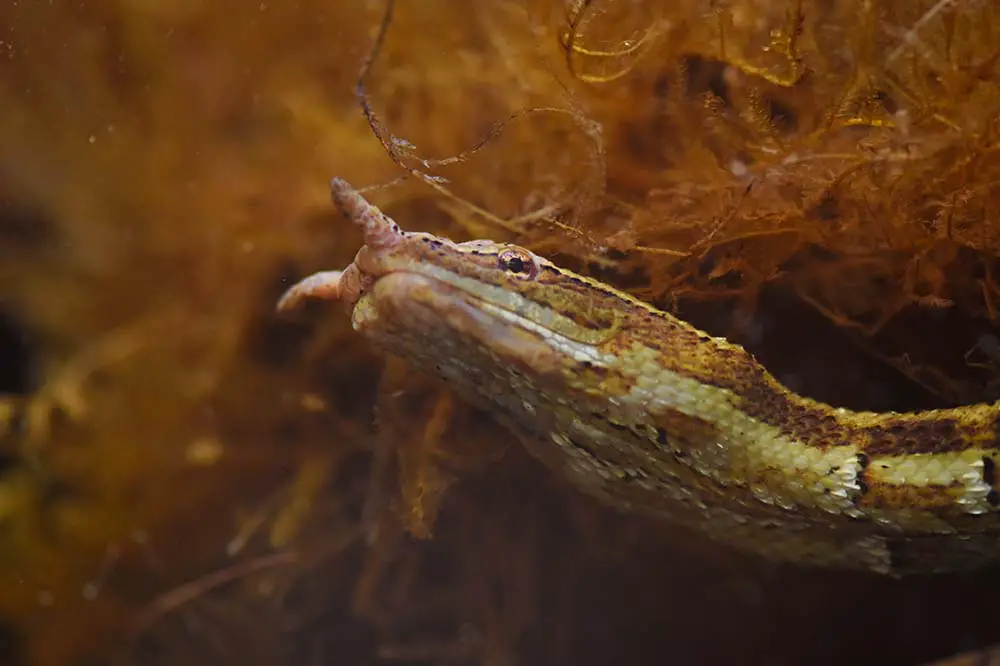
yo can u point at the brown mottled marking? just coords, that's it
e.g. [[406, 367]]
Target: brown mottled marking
[[761, 396], [900, 436], [685, 430], [595, 318], [889, 496]]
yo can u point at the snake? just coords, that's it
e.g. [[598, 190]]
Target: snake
[[650, 415]]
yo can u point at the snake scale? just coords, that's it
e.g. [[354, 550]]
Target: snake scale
[[652, 415]]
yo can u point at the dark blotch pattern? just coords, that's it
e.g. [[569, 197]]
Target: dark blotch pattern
[[681, 432], [684, 350], [923, 436]]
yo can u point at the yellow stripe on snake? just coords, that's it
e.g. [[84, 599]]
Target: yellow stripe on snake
[[648, 413]]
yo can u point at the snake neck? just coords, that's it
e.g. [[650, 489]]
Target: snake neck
[[714, 407]]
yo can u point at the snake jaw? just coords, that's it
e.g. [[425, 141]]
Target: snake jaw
[[402, 301]]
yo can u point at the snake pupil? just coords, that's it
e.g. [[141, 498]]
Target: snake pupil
[[515, 264]]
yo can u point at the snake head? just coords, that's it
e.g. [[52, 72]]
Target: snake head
[[404, 285], [500, 275]]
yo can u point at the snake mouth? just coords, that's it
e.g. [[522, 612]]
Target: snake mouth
[[400, 302]]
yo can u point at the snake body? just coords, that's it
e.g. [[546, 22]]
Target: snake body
[[652, 415]]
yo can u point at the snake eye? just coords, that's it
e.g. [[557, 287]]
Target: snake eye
[[518, 261]]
